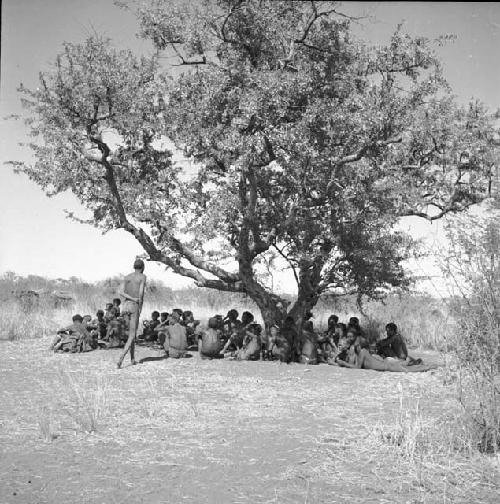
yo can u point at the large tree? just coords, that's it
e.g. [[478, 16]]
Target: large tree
[[305, 143]]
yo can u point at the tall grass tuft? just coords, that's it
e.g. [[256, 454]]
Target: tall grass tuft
[[86, 402], [45, 424]]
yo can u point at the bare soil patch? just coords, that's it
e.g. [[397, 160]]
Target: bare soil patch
[[75, 429]]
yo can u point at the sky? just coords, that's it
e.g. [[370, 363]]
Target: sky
[[37, 238]]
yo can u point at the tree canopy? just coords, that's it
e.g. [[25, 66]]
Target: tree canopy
[[306, 143]]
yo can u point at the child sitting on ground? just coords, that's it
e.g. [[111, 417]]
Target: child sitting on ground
[[235, 341], [114, 334], [148, 332], [231, 323], [326, 341], [161, 328], [107, 316], [210, 341], [251, 344], [345, 349], [116, 305], [191, 325], [99, 325], [175, 337]]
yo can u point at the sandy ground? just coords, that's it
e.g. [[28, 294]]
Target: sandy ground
[[173, 431]]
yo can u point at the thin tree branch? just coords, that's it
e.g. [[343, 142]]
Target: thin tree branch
[[289, 261]]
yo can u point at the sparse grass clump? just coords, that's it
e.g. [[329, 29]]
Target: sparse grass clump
[[84, 400], [45, 424], [478, 389], [16, 324], [432, 447]]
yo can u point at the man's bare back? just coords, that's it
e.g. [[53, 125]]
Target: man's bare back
[[132, 291], [133, 285]]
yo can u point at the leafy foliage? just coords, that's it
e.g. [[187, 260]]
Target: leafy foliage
[[307, 143]]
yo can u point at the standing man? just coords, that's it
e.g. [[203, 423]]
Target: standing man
[[132, 290]]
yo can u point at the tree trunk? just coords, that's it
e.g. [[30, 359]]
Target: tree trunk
[[304, 304], [308, 292], [271, 306]]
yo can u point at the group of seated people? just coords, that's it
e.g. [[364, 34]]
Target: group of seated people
[[243, 339], [161, 326], [108, 330], [340, 344]]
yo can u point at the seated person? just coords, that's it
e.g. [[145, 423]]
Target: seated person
[[364, 360], [99, 325], [394, 346], [116, 304], [251, 344], [340, 333], [87, 323], [161, 328], [114, 334], [307, 319], [73, 338], [231, 323], [289, 332], [148, 332], [107, 316], [326, 340], [235, 341], [354, 325], [175, 337], [308, 345], [191, 325], [210, 342], [345, 348], [279, 346]]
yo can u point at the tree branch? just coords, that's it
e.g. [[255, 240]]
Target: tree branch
[[289, 261], [202, 263], [360, 153], [456, 203], [203, 60], [156, 254]]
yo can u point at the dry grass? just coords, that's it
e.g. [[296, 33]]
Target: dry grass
[[226, 431], [83, 398], [45, 424], [16, 324], [425, 322], [237, 432]]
